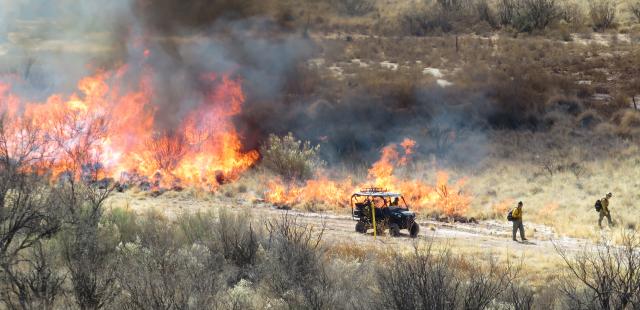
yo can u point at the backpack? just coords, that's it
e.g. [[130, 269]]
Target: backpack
[[510, 216], [598, 205]]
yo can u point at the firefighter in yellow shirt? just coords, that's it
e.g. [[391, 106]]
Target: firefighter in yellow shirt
[[604, 211], [517, 222]]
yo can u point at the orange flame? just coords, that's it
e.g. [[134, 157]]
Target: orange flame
[[112, 130], [319, 190], [443, 197]]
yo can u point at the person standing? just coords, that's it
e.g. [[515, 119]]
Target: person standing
[[604, 210], [516, 214]]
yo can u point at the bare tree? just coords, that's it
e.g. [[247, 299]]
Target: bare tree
[[27, 213], [87, 254], [606, 276], [168, 150], [36, 284]]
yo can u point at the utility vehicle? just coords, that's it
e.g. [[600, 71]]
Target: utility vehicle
[[388, 210]]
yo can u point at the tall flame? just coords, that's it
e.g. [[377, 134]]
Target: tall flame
[[102, 127]]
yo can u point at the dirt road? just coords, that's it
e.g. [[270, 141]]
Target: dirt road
[[486, 236]]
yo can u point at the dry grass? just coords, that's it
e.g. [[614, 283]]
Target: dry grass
[[563, 200], [384, 17]]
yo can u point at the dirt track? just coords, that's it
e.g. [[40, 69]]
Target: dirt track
[[486, 236]]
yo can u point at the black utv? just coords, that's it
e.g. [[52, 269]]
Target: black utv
[[389, 210]]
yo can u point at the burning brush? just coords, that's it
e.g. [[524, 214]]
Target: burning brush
[[103, 133], [441, 198]]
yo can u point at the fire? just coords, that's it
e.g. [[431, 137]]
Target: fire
[[442, 197], [501, 208], [319, 190], [109, 126]]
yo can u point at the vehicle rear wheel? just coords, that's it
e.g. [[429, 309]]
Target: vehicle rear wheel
[[414, 230], [361, 227], [394, 230]]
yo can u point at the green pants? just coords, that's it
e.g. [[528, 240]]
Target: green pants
[[602, 216], [517, 225]]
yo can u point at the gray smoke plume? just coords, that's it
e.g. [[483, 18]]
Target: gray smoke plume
[[51, 45]]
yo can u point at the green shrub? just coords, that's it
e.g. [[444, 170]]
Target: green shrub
[[535, 14], [125, 221], [290, 158], [528, 15]]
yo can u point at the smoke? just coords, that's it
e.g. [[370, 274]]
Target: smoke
[[174, 16], [358, 125], [51, 45]]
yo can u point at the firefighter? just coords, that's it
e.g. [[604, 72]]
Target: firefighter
[[517, 222], [395, 202], [604, 211]]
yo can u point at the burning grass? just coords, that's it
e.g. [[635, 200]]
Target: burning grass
[[442, 198]]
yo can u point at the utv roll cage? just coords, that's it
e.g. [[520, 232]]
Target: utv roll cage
[[377, 208], [370, 193]]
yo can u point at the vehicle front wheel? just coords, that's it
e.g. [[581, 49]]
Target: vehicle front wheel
[[394, 230], [414, 230], [361, 227]]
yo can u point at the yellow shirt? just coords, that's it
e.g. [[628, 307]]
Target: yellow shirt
[[605, 205], [517, 213]]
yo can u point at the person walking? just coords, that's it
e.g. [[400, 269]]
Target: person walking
[[516, 214], [604, 210]]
